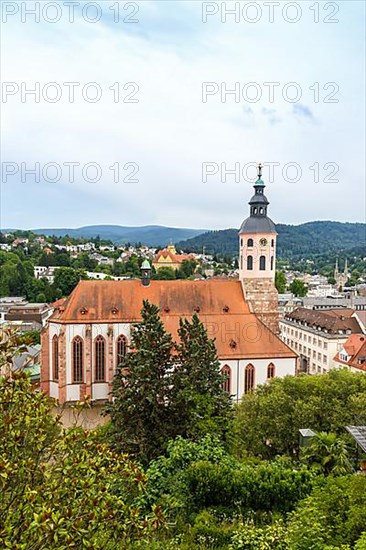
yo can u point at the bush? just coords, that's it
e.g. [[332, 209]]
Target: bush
[[208, 531], [200, 475], [262, 488], [270, 537], [334, 514]]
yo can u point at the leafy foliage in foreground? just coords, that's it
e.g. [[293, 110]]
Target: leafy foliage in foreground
[[62, 489], [199, 475], [65, 489]]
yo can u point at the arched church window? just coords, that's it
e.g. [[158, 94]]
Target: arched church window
[[272, 262], [272, 243], [241, 242], [241, 262], [255, 210], [77, 360], [250, 263], [249, 378], [250, 243], [55, 357], [261, 210], [99, 359], [262, 263], [226, 383], [270, 371], [121, 350]]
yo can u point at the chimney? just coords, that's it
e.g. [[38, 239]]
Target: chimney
[[145, 273]]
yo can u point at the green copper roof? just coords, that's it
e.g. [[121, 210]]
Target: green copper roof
[[259, 182], [145, 265]]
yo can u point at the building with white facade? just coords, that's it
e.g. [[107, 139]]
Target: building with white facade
[[90, 331], [45, 272], [317, 336]]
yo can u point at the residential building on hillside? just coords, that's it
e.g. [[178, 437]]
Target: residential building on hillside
[[353, 353], [46, 272], [169, 258], [102, 260], [317, 336], [90, 332]]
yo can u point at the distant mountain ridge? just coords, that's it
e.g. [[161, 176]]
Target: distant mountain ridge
[[150, 235], [293, 241]]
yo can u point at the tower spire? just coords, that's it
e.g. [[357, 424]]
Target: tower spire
[[336, 270], [260, 166]]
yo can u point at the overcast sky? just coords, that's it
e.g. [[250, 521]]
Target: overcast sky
[[153, 58]]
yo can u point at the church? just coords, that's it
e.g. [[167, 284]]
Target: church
[[89, 332]]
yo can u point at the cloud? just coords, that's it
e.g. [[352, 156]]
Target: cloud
[[302, 111], [170, 132], [271, 115]]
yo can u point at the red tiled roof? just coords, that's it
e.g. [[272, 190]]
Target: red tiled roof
[[361, 316], [58, 303], [333, 320], [355, 346], [220, 305]]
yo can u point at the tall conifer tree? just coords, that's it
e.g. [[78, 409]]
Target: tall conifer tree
[[141, 389], [199, 402]]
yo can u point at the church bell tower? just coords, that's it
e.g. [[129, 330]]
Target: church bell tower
[[257, 258]]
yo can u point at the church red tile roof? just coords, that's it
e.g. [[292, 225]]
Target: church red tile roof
[[220, 305]]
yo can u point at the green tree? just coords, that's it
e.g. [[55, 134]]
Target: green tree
[[66, 279], [268, 420], [332, 516], [165, 273], [62, 488], [140, 414], [298, 288], [166, 389], [328, 453], [280, 282], [200, 404], [187, 269]]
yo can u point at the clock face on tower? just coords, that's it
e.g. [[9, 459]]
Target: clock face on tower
[[263, 242]]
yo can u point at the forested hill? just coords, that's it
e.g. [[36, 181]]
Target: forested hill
[[294, 241], [150, 235]]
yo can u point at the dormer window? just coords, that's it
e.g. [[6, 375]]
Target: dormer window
[[232, 344]]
